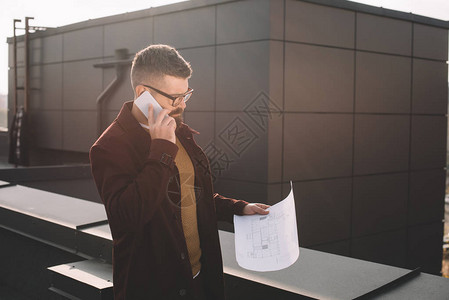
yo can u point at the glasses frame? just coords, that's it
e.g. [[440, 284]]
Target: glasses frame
[[184, 97]]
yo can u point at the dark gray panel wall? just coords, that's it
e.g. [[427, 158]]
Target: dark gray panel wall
[[121, 93], [186, 29], [133, 35], [348, 105], [424, 246], [313, 73], [202, 61], [250, 62], [49, 96], [78, 133], [334, 27], [379, 203], [381, 34], [324, 207], [386, 248], [429, 86], [381, 143], [365, 102], [317, 146], [82, 83], [75, 42], [253, 16], [382, 83], [430, 42], [426, 190], [48, 132]]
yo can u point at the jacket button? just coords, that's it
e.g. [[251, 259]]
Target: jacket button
[[182, 292], [183, 256]]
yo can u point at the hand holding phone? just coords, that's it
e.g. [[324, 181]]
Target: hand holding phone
[[161, 126]]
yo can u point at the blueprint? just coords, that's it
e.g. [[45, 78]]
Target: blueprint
[[268, 242]]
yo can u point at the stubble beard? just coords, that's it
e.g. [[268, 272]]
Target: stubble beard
[[178, 115]]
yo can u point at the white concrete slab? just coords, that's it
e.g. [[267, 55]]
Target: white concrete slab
[[56, 208], [316, 274]]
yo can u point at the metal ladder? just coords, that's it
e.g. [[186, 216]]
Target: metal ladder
[[26, 87], [18, 142]]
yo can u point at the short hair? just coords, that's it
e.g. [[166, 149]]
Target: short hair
[[155, 61]]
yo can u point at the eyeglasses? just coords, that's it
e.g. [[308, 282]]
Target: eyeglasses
[[176, 99]]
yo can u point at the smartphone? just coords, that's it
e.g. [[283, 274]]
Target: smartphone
[[143, 103]]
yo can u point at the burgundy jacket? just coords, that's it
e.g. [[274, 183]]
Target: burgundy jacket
[[138, 183]]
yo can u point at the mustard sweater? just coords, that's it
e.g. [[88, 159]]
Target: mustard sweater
[[188, 206]]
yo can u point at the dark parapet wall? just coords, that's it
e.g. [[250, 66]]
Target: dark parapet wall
[[74, 181], [346, 100], [28, 275]]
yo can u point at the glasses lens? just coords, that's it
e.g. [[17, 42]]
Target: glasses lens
[[184, 98], [187, 97], [180, 99]]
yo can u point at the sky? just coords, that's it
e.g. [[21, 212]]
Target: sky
[[56, 13]]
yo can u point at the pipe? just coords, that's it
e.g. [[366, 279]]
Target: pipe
[[120, 54], [101, 98]]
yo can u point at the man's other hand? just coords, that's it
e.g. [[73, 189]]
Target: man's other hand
[[255, 208]]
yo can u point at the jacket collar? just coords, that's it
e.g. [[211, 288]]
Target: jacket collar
[[185, 131], [130, 125]]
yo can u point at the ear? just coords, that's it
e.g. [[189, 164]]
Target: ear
[[138, 91]]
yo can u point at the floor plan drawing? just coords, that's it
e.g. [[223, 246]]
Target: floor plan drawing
[[268, 242], [264, 237]]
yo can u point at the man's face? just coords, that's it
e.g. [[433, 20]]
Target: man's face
[[172, 86]]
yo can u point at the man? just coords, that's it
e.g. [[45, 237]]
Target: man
[[155, 183]]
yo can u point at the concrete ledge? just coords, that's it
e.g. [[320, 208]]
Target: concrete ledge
[[43, 173], [81, 230], [89, 279], [57, 220]]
